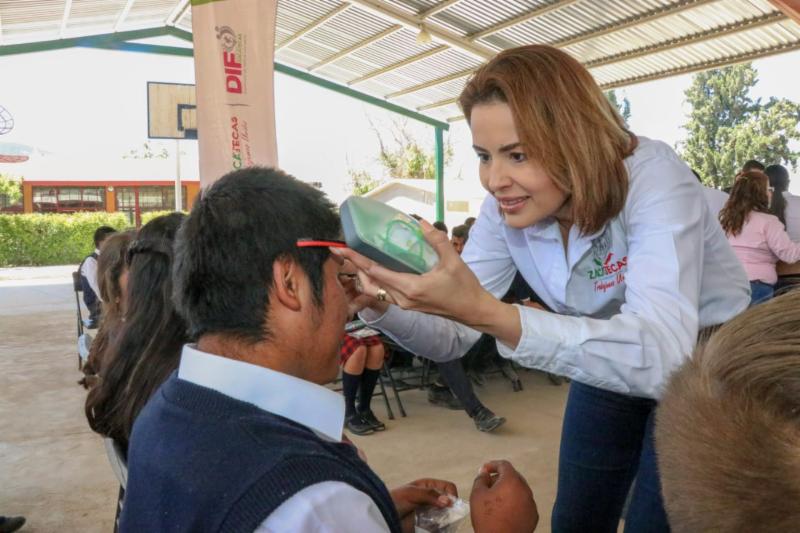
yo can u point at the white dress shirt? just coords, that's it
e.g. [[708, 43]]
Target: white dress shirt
[[629, 300], [323, 507], [792, 216], [89, 271], [716, 200]]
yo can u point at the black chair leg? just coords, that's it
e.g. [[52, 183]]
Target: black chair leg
[[385, 398], [394, 388]]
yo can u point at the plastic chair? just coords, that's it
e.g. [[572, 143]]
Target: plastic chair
[[119, 466]]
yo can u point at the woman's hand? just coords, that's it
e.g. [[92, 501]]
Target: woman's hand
[[421, 493], [450, 289]]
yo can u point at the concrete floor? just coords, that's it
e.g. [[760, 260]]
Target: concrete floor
[[54, 471]]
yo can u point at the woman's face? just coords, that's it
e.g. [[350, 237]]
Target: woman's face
[[524, 191]]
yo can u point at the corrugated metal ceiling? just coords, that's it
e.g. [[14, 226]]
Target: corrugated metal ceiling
[[373, 44]]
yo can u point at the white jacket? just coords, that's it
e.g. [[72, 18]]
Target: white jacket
[[629, 300]]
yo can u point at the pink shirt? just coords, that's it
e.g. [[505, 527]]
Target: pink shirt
[[762, 243]]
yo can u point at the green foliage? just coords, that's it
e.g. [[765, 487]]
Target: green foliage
[[623, 107], [53, 238], [402, 157], [11, 188], [727, 126], [361, 182]]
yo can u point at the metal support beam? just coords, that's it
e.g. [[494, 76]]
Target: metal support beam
[[356, 47], [525, 17], [389, 12], [65, 18], [635, 20], [313, 26], [123, 14], [713, 33], [438, 8], [439, 174], [399, 64], [440, 103], [177, 13], [108, 38], [705, 65], [119, 41], [432, 83]]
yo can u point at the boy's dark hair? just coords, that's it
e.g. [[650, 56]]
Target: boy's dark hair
[[441, 226], [779, 181], [227, 246], [469, 222], [728, 426], [752, 164], [101, 233], [462, 232]]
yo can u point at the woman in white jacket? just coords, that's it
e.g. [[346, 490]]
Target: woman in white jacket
[[612, 232]]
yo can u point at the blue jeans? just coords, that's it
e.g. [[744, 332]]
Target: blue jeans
[[606, 443], [760, 292]]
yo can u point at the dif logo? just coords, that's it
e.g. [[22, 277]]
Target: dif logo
[[233, 68]]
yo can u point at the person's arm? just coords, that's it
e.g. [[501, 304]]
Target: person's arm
[[89, 270], [326, 507], [333, 506], [440, 339], [779, 242], [634, 351]]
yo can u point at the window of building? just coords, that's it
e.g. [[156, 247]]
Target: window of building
[[68, 199]]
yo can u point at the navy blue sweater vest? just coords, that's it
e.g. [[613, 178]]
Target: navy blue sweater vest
[[202, 461], [89, 297]]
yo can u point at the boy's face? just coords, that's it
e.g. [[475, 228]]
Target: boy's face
[[458, 244], [329, 320]]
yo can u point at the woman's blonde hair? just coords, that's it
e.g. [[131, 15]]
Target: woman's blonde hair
[[749, 193], [564, 122]]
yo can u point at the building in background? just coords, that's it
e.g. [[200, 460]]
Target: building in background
[[52, 184]]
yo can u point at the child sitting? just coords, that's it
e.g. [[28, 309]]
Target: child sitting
[[362, 357]]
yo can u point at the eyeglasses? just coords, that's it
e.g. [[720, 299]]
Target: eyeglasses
[[320, 243]]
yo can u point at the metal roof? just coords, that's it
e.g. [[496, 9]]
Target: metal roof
[[374, 46]]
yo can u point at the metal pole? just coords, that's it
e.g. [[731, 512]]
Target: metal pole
[[178, 188], [439, 174]]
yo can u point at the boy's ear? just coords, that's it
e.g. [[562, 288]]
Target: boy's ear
[[287, 277]]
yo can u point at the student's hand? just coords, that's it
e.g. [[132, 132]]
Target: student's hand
[[450, 289], [421, 493], [501, 500]]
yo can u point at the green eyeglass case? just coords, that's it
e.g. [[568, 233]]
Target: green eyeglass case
[[386, 235]]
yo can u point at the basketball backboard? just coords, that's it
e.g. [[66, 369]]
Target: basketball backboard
[[171, 111]]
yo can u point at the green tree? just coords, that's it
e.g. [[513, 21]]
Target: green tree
[[147, 152], [726, 126], [10, 188], [623, 107], [402, 156]]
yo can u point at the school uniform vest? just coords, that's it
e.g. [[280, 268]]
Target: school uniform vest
[[201, 461]]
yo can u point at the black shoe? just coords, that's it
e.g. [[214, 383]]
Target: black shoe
[[9, 524], [443, 397], [371, 419], [487, 421], [357, 425]]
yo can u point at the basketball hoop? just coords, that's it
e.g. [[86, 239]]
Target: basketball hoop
[[6, 121]]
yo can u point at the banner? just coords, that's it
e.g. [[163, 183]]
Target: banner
[[234, 44]]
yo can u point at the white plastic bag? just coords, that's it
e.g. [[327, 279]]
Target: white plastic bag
[[442, 520]]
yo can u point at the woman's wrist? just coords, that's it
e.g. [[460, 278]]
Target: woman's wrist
[[494, 317]]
